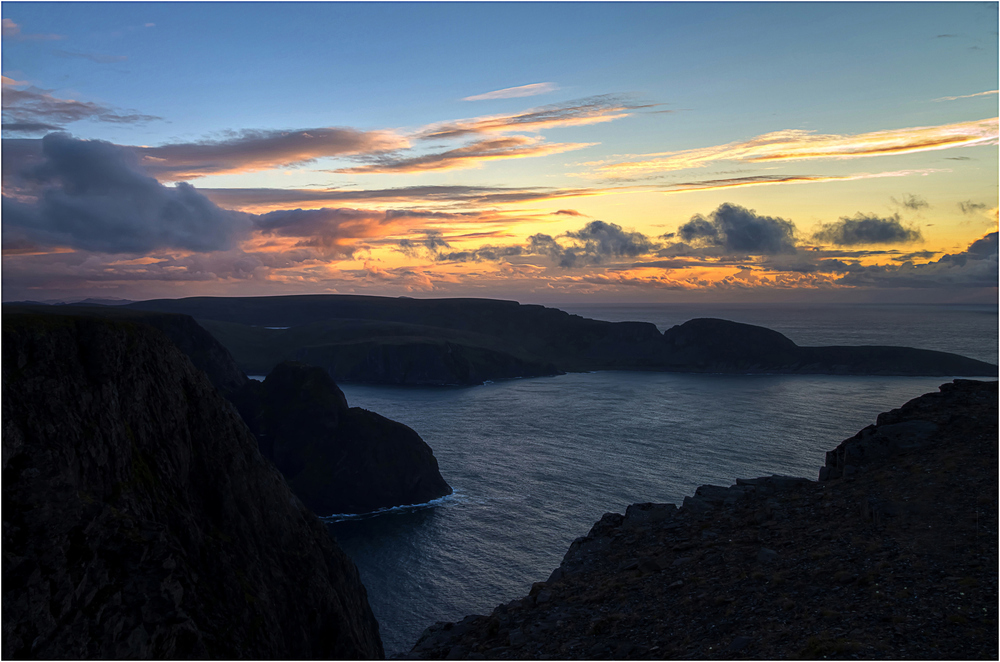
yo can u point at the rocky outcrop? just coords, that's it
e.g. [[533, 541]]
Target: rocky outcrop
[[337, 459], [893, 559], [714, 345], [140, 520]]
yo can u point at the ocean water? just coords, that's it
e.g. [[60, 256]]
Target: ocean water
[[535, 462]]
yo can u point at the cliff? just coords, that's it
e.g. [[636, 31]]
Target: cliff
[[140, 520], [892, 555], [467, 341], [337, 459]]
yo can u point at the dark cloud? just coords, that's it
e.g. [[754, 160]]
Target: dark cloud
[[818, 266], [983, 248], [918, 255], [594, 243], [736, 229], [482, 254], [600, 240], [910, 201], [867, 229], [33, 105], [92, 195], [970, 207], [100, 58], [432, 241], [247, 151], [29, 127], [975, 267], [567, 212]]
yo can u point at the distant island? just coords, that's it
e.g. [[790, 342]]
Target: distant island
[[383, 340]]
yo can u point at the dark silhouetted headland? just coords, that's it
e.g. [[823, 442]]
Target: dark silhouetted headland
[[383, 340]]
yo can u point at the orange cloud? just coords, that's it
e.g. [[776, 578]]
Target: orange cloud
[[468, 156], [762, 180], [795, 144], [587, 111]]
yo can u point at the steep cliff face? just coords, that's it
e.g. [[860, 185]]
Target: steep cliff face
[[140, 520], [337, 459]]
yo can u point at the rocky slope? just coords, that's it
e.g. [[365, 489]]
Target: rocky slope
[[892, 555], [337, 459], [140, 520], [467, 341]]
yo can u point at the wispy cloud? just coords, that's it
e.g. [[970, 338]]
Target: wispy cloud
[[966, 96], [259, 199], [467, 156], [766, 180], [515, 92], [796, 144], [33, 106], [249, 150], [592, 110], [12, 31], [100, 58], [911, 201]]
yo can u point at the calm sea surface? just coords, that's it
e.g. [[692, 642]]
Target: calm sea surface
[[535, 462]]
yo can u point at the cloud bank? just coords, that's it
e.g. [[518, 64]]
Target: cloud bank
[[92, 195]]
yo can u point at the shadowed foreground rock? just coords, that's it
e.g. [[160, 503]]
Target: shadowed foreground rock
[[140, 519], [893, 555], [337, 459]]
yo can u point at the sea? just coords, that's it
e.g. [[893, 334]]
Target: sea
[[535, 462]]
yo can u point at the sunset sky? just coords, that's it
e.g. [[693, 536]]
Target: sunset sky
[[645, 152]]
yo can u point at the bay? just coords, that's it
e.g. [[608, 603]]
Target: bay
[[535, 462]]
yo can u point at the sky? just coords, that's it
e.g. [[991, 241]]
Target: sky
[[542, 152]]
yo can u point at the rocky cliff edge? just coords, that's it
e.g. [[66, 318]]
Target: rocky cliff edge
[[140, 520]]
